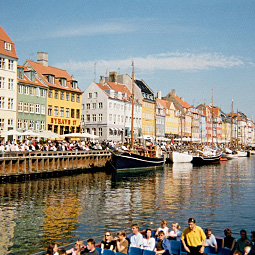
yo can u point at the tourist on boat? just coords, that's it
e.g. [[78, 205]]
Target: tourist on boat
[[136, 239], [243, 241], [121, 242], [163, 245], [175, 233], [163, 227], [210, 239], [91, 247], [229, 240], [108, 242], [195, 237], [62, 252], [148, 241], [78, 247], [49, 251], [252, 251]]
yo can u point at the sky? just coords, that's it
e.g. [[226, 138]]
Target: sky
[[191, 46]]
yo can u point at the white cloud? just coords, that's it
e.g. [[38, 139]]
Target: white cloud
[[164, 61]]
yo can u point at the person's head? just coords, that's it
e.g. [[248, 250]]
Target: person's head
[[247, 250], [135, 228], [54, 246], [91, 244], [243, 234], [49, 251], [208, 233], [253, 236], [175, 226], [108, 236], [161, 235], [163, 223], [121, 235], [227, 232], [62, 252], [236, 252], [192, 223], [78, 245], [148, 233]]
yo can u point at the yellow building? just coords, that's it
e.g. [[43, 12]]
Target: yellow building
[[64, 96]]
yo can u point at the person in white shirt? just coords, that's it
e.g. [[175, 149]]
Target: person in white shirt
[[163, 227], [175, 233], [136, 239], [148, 241], [210, 239]]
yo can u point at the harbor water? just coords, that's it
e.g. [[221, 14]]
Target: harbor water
[[64, 209]]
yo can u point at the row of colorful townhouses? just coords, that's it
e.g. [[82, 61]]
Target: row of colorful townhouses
[[37, 97]]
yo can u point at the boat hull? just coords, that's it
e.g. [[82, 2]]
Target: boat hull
[[124, 161], [201, 160], [180, 157]]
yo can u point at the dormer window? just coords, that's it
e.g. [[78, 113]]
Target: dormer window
[[21, 73], [7, 46], [51, 79], [31, 75], [63, 82], [74, 84]]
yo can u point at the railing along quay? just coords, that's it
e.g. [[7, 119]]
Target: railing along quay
[[38, 163]]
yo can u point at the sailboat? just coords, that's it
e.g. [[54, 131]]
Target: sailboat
[[152, 157]]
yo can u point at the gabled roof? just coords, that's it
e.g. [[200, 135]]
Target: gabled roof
[[180, 101], [5, 38], [144, 87], [42, 70]]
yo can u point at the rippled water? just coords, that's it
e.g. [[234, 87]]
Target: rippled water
[[34, 213]]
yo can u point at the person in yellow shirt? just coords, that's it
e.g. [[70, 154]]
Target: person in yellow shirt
[[193, 238]]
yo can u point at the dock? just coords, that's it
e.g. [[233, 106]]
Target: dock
[[26, 165]]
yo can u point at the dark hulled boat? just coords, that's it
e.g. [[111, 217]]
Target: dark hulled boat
[[203, 160]]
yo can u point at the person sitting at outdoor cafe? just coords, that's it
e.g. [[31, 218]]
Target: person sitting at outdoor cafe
[[210, 239]]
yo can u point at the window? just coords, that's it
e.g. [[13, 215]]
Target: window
[[37, 92], [2, 82], [88, 117], [10, 103], [31, 124], [20, 89], [110, 105], [94, 117], [94, 131], [42, 109], [88, 106], [10, 122], [10, 84], [50, 93], [100, 132], [20, 107], [100, 105], [2, 123], [2, 63], [95, 94], [25, 124], [19, 124], [37, 109], [10, 64], [74, 84], [94, 105], [43, 92], [63, 82], [25, 107], [26, 90], [82, 107], [56, 94], [37, 125], [72, 113], [78, 98], [31, 108], [72, 97], [42, 125], [62, 95], [77, 113], [67, 96], [100, 117], [32, 91], [67, 113], [110, 117], [51, 79], [55, 111], [62, 111], [50, 110], [7, 46], [90, 95]]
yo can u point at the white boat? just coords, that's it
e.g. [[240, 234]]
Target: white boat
[[242, 153], [180, 157], [229, 154]]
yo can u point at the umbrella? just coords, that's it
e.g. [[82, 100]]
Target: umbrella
[[49, 134], [11, 132], [81, 135], [30, 133]]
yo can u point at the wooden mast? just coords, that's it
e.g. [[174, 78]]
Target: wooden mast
[[231, 128], [132, 117], [212, 117]]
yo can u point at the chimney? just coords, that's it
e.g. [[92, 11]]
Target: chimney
[[102, 80], [182, 98], [42, 58], [113, 76], [159, 94], [173, 92]]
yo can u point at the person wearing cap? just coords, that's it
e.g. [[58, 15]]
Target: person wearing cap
[[193, 238]]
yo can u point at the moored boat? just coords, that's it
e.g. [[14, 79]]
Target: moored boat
[[203, 160], [180, 157]]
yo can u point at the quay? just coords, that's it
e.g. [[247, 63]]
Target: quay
[[27, 165]]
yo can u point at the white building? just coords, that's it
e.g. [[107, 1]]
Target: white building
[[8, 84], [106, 111]]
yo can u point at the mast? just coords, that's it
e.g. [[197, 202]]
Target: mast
[[212, 117], [237, 142], [155, 117], [231, 128], [132, 116]]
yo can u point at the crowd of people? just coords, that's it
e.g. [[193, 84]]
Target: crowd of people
[[194, 240]]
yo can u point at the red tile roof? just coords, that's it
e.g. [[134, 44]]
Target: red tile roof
[[42, 71], [5, 38], [180, 101]]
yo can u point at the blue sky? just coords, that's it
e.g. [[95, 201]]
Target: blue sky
[[190, 46]]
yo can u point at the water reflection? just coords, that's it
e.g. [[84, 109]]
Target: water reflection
[[63, 209]]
